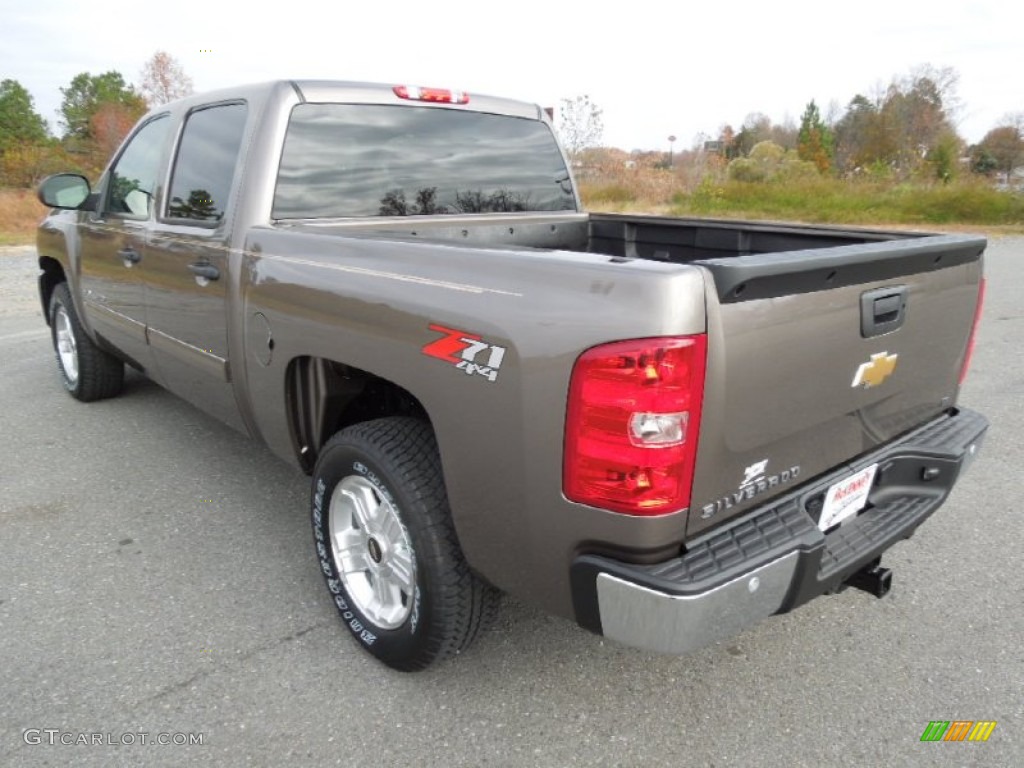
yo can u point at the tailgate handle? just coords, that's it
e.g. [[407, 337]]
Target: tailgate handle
[[887, 309], [882, 310]]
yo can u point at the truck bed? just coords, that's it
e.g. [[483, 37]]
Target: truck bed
[[627, 236], [792, 311]]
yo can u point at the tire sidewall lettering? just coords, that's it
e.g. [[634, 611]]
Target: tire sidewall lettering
[[359, 468], [325, 479]]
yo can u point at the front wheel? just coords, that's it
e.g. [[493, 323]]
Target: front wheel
[[88, 372], [388, 549]]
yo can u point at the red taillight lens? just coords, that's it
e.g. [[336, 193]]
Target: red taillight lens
[[974, 331], [632, 424], [437, 95]]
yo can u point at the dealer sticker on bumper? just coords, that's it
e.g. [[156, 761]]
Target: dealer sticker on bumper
[[847, 497]]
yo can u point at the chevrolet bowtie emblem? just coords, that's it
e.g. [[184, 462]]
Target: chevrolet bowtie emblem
[[875, 371]]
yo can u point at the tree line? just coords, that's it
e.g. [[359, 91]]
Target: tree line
[[906, 130], [96, 113]]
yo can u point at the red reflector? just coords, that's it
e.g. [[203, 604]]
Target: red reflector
[[974, 331], [436, 95], [632, 423]]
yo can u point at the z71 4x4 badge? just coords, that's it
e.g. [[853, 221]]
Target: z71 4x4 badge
[[466, 351]]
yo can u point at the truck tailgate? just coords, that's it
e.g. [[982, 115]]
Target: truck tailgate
[[816, 357]]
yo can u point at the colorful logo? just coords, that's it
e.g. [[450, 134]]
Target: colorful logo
[[958, 730], [466, 351]]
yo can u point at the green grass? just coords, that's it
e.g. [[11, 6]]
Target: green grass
[[611, 194], [842, 202]]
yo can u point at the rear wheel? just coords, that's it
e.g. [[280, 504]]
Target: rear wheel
[[88, 372], [387, 546]]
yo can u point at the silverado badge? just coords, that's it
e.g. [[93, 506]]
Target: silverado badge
[[875, 371], [755, 482]]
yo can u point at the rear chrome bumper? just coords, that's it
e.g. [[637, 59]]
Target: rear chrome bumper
[[774, 558]]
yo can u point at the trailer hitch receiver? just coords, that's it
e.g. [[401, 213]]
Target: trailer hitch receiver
[[872, 579]]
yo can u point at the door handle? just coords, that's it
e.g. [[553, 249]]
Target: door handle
[[204, 269], [129, 256]]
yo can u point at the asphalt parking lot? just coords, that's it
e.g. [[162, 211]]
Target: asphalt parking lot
[[157, 577]]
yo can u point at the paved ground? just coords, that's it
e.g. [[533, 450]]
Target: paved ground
[[156, 576]]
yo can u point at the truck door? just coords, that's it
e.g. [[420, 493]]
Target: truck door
[[187, 257], [113, 243]]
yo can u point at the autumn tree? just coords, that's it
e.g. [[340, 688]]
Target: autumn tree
[[757, 127], [856, 135], [164, 80], [981, 161], [108, 126], [20, 124], [27, 151], [815, 141], [785, 134], [25, 165], [1005, 145], [914, 115], [87, 93], [579, 125], [906, 129]]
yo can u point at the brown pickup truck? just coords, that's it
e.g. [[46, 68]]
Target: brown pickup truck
[[665, 429]]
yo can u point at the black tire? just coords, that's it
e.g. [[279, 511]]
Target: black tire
[[395, 460], [99, 374]]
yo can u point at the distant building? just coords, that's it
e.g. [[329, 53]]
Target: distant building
[[1011, 182]]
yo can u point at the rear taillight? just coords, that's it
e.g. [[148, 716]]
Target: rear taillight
[[974, 331], [632, 424], [436, 95]]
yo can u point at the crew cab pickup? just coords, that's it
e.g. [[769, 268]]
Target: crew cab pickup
[[665, 429]]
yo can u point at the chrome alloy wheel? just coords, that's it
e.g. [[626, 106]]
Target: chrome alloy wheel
[[372, 552], [67, 350]]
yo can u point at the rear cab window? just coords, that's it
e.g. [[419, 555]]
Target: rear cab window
[[362, 160]]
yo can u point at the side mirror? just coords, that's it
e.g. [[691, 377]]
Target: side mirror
[[64, 190]]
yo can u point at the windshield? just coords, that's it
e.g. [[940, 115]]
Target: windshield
[[345, 160]]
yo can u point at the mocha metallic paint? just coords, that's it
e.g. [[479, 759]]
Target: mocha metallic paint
[[364, 293]]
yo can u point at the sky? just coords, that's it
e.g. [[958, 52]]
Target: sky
[[655, 68]]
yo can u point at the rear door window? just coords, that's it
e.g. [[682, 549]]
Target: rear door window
[[205, 165]]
